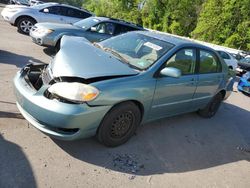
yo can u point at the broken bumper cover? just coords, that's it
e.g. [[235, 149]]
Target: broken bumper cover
[[244, 86], [54, 118]]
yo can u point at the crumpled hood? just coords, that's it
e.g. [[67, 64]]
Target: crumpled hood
[[56, 26], [79, 58]]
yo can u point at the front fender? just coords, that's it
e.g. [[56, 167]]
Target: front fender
[[131, 88]]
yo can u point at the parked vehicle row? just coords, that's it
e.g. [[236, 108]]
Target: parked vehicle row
[[109, 76], [24, 18], [230, 60]]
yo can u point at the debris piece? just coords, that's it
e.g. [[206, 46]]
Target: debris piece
[[132, 177], [243, 149], [127, 163]]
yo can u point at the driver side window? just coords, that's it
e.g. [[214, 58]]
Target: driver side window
[[184, 60], [105, 28], [54, 10]]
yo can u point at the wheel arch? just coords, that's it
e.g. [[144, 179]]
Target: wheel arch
[[223, 93], [23, 16], [135, 102]]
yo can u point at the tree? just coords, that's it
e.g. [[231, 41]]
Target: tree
[[224, 22]]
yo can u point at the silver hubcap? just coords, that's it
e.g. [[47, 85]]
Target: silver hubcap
[[26, 26]]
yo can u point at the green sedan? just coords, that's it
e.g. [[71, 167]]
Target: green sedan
[[109, 88]]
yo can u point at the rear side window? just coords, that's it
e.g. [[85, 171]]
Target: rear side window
[[123, 29], [183, 60], [54, 10], [224, 55], [209, 62], [105, 28], [70, 12]]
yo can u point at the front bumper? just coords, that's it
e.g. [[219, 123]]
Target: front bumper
[[8, 16], [240, 71], [57, 119], [45, 40], [244, 86]]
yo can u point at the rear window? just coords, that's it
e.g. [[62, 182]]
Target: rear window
[[224, 55]]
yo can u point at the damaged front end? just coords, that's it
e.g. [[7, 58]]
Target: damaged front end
[[53, 112], [73, 90]]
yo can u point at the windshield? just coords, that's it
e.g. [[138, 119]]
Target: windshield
[[40, 6], [136, 49], [87, 23]]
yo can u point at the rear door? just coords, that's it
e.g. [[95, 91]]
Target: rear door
[[71, 15], [210, 77], [174, 95]]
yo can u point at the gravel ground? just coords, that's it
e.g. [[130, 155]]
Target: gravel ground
[[183, 151]]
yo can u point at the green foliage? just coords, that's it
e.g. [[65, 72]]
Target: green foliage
[[224, 22]]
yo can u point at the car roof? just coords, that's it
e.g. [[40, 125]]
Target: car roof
[[122, 22], [65, 5], [177, 41]]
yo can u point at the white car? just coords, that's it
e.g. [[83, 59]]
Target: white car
[[229, 59], [25, 17]]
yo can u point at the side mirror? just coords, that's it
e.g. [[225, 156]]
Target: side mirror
[[46, 10], [171, 72], [93, 29]]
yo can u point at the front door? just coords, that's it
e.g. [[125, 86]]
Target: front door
[[174, 95]]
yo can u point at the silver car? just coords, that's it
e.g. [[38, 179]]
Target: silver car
[[25, 17], [94, 29]]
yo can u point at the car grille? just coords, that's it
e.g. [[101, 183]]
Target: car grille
[[33, 28], [46, 77]]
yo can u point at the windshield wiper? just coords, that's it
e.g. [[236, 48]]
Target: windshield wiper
[[116, 54]]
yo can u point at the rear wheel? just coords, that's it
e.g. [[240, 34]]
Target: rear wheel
[[119, 124], [212, 107], [25, 24]]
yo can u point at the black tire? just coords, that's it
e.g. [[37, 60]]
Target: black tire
[[119, 124], [24, 25], [212, 107]]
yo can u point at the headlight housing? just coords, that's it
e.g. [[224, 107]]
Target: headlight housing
[[12, 10], [43, 31], [74, 91]]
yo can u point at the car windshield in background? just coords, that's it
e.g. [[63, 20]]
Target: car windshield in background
[[138, 50], [41, 6], [87, 23], [245, 60]]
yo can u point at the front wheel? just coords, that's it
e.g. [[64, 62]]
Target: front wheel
[[119, 124], [25, 24], [212, 107]]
